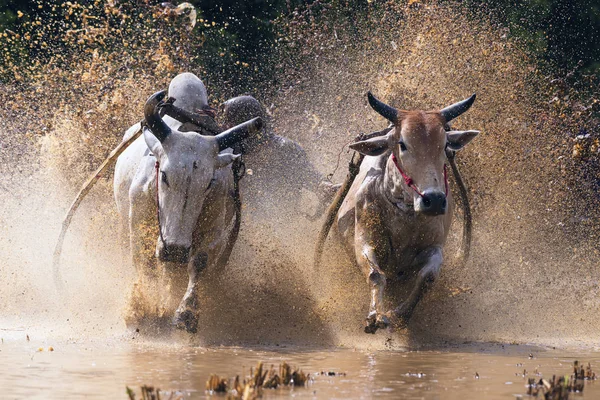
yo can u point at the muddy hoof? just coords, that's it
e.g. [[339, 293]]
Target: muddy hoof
[[382, 322], [370, 328], [371, 323], [374, 322], [186, 320]]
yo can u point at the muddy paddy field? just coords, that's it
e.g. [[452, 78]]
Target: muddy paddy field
[[524, 306]]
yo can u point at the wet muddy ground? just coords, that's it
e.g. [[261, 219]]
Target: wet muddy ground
[[103, 369]]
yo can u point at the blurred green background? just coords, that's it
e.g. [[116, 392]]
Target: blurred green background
[[563, 33]]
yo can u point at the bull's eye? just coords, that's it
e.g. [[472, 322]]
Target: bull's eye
[[164, 177], [402, 146]]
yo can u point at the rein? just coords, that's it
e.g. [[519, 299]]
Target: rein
[[411, 183], [160, 234]]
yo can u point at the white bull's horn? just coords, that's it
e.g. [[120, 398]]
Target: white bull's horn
[[153, 120], [456, 109], [387, 112], [239, 132]]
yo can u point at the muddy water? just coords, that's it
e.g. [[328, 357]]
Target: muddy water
[[103, 370], [528, 281]]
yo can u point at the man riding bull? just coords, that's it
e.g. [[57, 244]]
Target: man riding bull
[[180, 180], [279, 166], [188, 106]]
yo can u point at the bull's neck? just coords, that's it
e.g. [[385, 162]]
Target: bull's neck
[[394, 187]]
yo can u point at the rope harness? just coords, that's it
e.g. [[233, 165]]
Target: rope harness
[[411, 183]]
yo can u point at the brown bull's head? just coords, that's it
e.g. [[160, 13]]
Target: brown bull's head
[[418, 148]]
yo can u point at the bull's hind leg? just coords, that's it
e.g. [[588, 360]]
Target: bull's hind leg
[[431, 259], [186, 316]]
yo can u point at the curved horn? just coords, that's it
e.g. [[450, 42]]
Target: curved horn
[[453, 111], [239, 132], [387, 112], [153, 120]]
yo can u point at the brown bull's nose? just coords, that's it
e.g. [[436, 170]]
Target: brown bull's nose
[[433, 203], [174, 253]]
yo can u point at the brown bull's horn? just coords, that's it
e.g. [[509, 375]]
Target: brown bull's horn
[[239, 132], [387, 112], [153, 120], [453, 111]]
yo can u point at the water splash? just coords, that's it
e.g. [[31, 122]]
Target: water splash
[[534, 244], [532, 179]]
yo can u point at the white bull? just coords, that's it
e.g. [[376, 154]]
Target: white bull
[[183, 182]]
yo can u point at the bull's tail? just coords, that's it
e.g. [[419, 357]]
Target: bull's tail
[[333, 209], [85, 189], [467, 218]]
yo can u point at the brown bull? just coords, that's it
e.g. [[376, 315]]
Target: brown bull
[[397, 214]]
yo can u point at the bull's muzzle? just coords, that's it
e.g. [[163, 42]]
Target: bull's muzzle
[[173, 253], [432, 202]]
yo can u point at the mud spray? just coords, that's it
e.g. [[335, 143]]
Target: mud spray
[[531, 277]]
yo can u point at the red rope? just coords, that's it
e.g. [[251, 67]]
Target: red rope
[[409, 181]]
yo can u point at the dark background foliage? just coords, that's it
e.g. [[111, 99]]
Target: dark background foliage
[[561, 32]]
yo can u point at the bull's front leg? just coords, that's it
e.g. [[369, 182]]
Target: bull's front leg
[[186, 316], [141, 302], [368, 260], [431, 259], [142, 235]]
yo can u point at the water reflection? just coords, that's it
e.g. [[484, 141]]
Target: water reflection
[[103, 370]]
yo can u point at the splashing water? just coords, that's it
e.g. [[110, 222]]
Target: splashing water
[[531, 277]]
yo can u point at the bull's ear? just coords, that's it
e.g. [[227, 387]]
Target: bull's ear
[[459, 139], [153, 143], [375, 146], [224, 159]]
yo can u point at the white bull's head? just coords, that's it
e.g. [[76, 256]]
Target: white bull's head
[[418, 145], [186, 165]]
